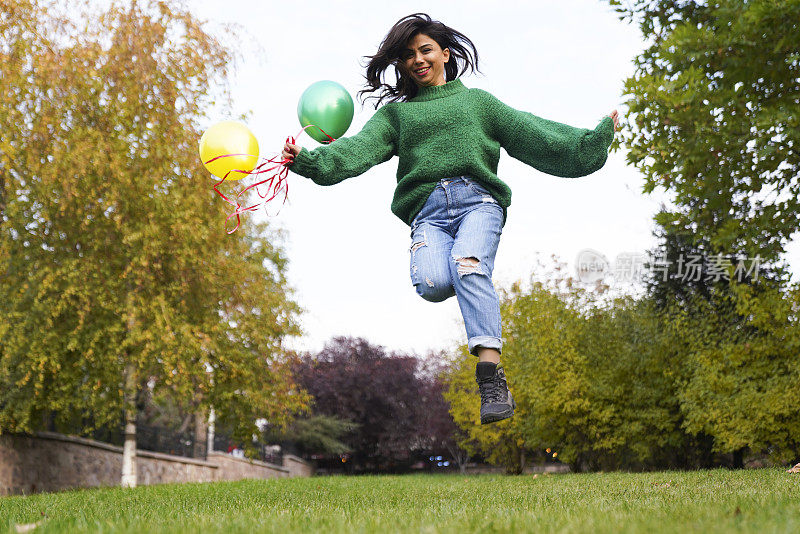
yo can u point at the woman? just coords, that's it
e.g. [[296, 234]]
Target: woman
[[448, 140]]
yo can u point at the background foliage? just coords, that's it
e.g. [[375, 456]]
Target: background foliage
[[116, 271]]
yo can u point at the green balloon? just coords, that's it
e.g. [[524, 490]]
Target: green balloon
[[327, 105]]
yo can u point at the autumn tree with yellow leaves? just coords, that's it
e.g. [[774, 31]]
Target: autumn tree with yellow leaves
[[115, 267]]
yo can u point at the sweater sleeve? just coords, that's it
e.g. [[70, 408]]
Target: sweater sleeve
[[549, 146], [349, 156]]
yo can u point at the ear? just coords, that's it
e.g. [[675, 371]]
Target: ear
[[446, 54]]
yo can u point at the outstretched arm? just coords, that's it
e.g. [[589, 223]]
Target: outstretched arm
[[549, 146], [347, 156]]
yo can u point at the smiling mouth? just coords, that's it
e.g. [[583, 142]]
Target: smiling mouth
[[422, 72]]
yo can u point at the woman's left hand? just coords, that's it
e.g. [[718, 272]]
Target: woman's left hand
[[615, 117]]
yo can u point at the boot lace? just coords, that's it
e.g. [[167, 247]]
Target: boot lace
[[492, 389]]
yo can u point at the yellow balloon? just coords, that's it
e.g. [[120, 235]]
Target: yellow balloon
[[229, 137]]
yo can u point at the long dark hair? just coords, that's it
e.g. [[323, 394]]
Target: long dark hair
[[390, 52]]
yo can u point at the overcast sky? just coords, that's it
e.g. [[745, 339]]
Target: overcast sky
[[349, 258]]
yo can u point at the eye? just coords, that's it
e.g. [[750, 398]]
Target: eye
[[408, 54]]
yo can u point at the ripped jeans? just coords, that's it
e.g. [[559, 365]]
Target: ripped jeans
[[454, 241]]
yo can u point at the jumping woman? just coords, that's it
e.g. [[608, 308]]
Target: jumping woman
[[448, 140]]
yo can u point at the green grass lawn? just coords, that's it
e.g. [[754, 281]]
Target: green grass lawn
[[761, 501]]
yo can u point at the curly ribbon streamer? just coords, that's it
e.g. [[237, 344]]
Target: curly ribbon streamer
[[275, 184]]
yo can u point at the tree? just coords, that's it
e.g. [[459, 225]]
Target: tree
[[115, 268], [601, 382], [437, 429], [552, 374], [740, 383], [713, 118], [728, 392], [501, 443], [318, 434], [683, 266], [379, 391], [636, 369]]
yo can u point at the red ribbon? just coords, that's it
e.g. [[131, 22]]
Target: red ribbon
[[275, 184]]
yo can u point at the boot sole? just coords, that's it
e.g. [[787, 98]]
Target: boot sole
[[493, 418]]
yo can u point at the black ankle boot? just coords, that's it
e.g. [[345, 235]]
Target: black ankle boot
[[496, 401]]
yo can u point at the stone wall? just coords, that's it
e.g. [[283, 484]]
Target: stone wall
[[233, 468], [297, 466], [157, 468], [48, 461]]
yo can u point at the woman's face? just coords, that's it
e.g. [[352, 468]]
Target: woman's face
[[425, 54]]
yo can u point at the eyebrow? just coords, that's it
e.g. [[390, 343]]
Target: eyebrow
[[411, 49]]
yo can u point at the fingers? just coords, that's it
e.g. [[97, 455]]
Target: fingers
[[290, 151], [615, 117]]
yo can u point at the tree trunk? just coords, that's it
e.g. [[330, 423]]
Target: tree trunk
[[706, 452], [578, 465], [129, 447], [2, 194], [211, 419], [200, 436], [738, 458], [459, 455], [185, 423]]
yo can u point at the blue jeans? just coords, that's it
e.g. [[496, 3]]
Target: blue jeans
[[454, 241]]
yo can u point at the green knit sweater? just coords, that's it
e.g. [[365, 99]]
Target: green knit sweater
[[448, 131]]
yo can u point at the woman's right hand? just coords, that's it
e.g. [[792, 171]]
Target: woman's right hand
[[615, 117], [290, 151]]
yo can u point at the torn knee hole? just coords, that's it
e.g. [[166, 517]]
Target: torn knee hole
[[468, 266], [417, 245]]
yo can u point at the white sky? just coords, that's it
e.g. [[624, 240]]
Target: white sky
[[349, 259]]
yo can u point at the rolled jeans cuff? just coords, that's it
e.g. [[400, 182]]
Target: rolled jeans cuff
[[487, 342]]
